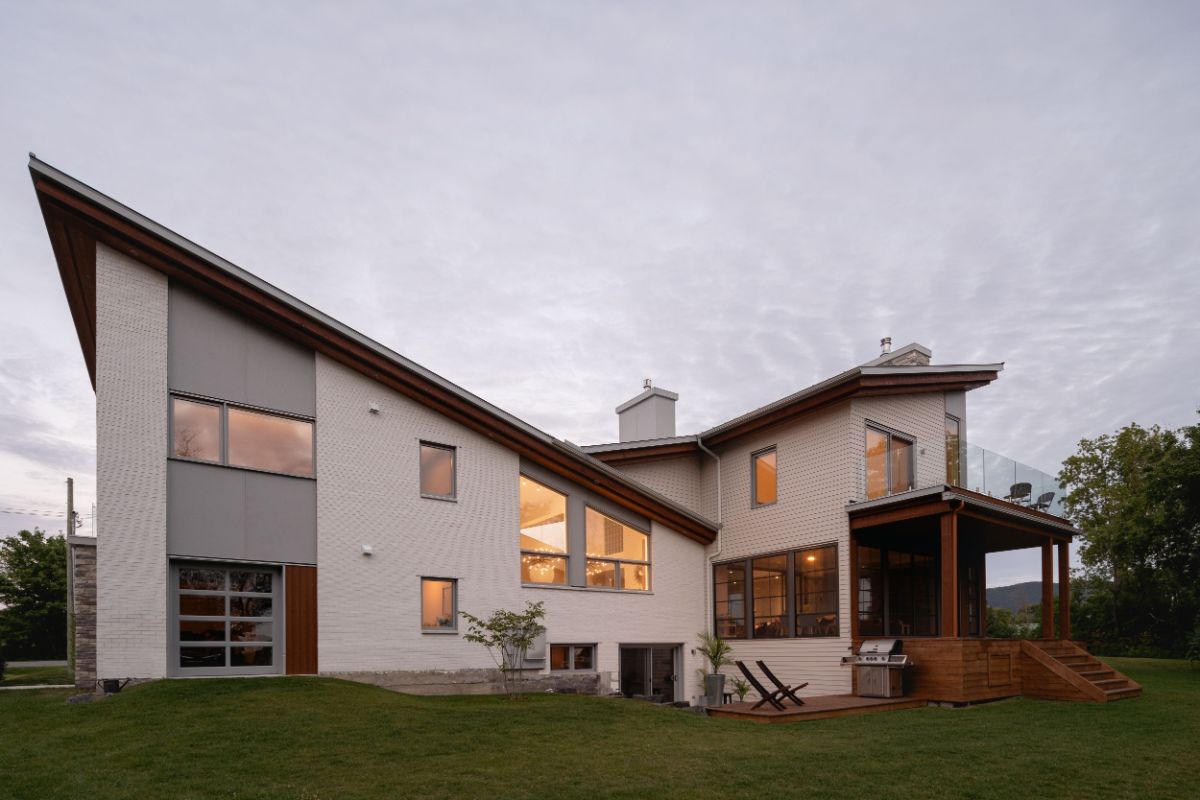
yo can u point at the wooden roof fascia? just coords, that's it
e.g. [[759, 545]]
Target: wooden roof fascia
[[97, 224]]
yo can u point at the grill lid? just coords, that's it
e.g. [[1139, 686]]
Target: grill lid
[[880, 647]]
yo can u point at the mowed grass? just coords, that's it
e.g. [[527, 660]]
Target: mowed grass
[[35, 676], [318, 738]]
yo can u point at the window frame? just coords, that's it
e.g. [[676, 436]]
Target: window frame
[[619, 583], [453, 450], [890, 434], [453, 629], [957, 451], [754, 457], [224, 406], [565, 555], [837, 592], [789, 612], [175, 617], [571, 651]]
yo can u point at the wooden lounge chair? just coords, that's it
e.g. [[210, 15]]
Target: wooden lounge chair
[[788, 691], [767, 697]]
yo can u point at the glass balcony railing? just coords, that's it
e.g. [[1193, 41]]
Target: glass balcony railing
[[1000, 476]]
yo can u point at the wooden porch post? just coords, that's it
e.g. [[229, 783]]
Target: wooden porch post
[[1047, 590], [949, 620], [1064, 590]]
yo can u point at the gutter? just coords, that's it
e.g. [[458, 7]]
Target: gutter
[[708, 587]]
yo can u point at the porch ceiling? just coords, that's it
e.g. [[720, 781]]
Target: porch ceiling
[[997, 525]]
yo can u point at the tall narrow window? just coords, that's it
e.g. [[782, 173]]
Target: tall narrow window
[[618, 555], [195, 430], [764, 477], [543, 534], [437, 471], [870, 591], [770, 596], [817, 592], [270, 442], [439, 610], [729, 600], [889, 463], [953, 451]]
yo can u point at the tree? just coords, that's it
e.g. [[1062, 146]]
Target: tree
[[508, 635], [1135, 495], [33, 591]]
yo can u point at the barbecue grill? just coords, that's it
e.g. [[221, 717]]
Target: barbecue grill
[[880, 666]]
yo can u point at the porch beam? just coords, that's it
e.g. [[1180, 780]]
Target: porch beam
[[949, 615], [1047, 590], [871, 519], [1064, 590]]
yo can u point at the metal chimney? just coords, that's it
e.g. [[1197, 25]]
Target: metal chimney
[[885, 345]]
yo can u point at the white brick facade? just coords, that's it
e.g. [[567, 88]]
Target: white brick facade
[[368, 493], [131, 467]]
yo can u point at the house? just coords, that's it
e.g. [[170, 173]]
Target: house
[[278, 494]]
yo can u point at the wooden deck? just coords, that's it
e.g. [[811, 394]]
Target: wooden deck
[[822, 707]]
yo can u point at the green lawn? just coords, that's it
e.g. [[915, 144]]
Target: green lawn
[[34, 676], [317, 738]]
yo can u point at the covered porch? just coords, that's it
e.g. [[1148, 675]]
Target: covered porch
[[918, 572]]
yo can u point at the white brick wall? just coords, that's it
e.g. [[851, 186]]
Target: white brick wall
[[131, 467], [367, 493]]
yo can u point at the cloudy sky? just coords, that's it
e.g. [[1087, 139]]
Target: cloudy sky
[[548, 202]]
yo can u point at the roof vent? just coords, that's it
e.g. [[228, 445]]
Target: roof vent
[[885, 345]]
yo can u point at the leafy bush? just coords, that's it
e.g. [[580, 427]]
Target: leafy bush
[[508, 636], [715, 650]]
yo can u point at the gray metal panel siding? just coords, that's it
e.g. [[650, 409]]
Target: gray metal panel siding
[[217, 353], [218, 512]]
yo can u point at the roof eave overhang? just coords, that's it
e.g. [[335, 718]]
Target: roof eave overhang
[[77, 218], [937, 500]]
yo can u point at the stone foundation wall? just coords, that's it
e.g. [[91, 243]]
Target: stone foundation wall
[[475, 681], [83, 588]]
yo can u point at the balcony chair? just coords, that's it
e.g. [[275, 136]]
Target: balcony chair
[[1043, 502], [1019, 493]]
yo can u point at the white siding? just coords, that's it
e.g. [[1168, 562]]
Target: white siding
[[677, 479], [367, 493], [131, 467], [922, 416], [816, 481]]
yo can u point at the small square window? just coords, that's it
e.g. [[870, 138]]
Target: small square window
[[437, 471], [572, 657], [763, 477], [439, 604]]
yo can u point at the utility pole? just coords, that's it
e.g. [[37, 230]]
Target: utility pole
[[70, 577]]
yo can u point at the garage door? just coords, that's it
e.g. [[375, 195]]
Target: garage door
[[227, 620]]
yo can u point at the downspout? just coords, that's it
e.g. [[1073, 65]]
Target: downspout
[[708, 608]]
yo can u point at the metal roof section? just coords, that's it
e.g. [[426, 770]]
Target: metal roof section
[[911, 347], [40, 169], [617, 446]]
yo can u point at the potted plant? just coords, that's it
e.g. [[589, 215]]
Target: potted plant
[[741, 689], [717, 652]]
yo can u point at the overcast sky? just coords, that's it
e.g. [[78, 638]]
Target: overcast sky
[[547, 203]]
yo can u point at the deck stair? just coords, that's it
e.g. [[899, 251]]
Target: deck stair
[[1062, 670]]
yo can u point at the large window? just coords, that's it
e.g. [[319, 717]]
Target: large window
[[764, 477], [618, 555], [439, 604], [543, 534], [437, 471], [219, 433], [729, 593], [225, 620], [897, 593], [889, 462], [953, 451], [780, 595], [572, 657], [817, 592]]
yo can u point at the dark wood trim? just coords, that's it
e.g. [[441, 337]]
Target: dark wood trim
[[1047, 590], [300, 619], [92, 223], [886, 515], [853, 628], [948, 623], [1064, 590], [639, 455]]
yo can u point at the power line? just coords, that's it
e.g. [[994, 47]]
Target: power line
[[31, 512]]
